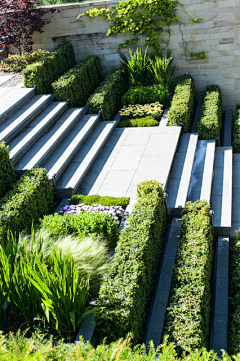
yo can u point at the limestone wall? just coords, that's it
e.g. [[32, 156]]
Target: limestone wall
[[218, 34]]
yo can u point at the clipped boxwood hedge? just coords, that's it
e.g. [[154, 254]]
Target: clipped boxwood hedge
[[210, 123], [138, 122], [183, 103], [128, 285], [31, 197], [147, 95], [7, 174], [236, 131], [154, 110], [189, 313], [79, 82], [96, 199], [49, 68], [109, 94]]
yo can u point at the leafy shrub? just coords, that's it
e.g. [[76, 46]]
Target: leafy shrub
[[31, 197], [79, 82], [127, 287], [7, 174], [82, 224], [109, 94], [49, 68], [17, 62], [138, 122], [189, 313], [236, 131], [162, 70], [210, 123], [147, 95], [96, 199], [154, 110], [183, 103]]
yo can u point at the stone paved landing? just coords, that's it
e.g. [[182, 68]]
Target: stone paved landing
[[131, 156]]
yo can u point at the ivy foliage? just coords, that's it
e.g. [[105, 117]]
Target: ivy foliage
[[134, 16]]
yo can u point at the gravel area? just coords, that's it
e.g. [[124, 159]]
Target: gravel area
[[18, 78]]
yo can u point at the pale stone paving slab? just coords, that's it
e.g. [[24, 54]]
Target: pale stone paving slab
[[5, 78]]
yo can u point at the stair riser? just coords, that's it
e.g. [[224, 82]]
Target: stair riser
[[29, 144]]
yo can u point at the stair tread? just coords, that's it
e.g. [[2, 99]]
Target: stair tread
[[32, 132], [201, 179], [82, 161], [179, 179], [10, 97], [76, 138], [20, 117]]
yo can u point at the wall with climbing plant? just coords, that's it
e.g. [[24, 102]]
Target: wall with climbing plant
[[204, 36]]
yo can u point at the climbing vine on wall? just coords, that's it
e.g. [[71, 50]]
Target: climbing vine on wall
[[141, 17]]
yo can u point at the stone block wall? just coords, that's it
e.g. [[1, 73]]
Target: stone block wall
[[218, 33]]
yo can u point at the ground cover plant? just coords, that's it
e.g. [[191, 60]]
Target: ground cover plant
[[83, 225], [183, 103], [79, 82], [16, 62], [49, 68], [128, 285], [7, 174], [107, 97], [154, 110], [236, 131], [146, 95], [210, 123], [188, 316], [138, 122], [96, 199], [32, 196]]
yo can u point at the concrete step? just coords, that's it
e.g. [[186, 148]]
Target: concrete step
[[20, 145], [227, 128], [5, 78], [42, 149], [202, 172], [22, 117], [179, 179], [82, 162], [236, 196], [221, 197], [63, 156], [12, 98]]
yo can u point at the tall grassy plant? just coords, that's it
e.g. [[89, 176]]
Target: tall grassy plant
[[162, 70]]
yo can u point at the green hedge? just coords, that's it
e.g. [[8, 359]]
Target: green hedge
[[83, 225], [16, 62], [7, 174], [79, 82], [126, 289], [138, 122], [236, 131], [183, 103], [109, 94], [210, 123], [189, 313], [49, 68], [147, 95], [31, 197], [96, 199], [154, 110]]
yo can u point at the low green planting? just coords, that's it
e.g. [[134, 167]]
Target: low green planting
[[96, 199], [31, 197], [147, 95], [126, 289], [49, 68], [109, 94], [7, 174], [79, 82], [16, 62], [236, 131], [83, 225], [138, 122], [210, 123], [183, 103], [188, 316], [154, 110]]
